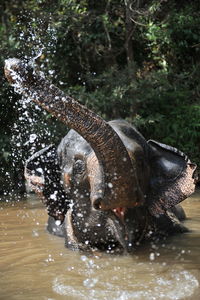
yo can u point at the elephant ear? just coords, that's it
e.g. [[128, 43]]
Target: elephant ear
[[43, 172], [41, 166], [172, 177]]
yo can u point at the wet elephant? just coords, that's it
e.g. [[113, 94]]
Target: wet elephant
[[105, 186]]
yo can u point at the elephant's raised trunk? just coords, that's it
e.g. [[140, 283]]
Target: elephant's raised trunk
[[121, 188]]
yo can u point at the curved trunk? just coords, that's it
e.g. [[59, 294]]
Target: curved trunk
[[121, 187]]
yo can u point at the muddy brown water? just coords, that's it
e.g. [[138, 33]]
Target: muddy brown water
[[36, 265]]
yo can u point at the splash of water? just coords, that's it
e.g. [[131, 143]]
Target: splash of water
[[177, 285], [30, 131]]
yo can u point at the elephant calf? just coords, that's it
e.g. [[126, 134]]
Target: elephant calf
[[105, 187]]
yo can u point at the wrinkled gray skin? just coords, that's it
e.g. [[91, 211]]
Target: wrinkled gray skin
[[105, 187], [84, 228]]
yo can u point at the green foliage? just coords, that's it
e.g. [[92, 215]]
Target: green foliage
[[164, 110], [173, 35], [170, 113], [138, 61]]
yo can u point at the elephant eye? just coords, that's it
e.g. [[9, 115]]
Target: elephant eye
[[79, 167]]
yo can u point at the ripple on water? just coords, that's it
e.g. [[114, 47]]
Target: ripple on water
[[177, 284]]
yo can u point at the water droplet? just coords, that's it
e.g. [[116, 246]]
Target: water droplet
[[90, 282], [152, 256]]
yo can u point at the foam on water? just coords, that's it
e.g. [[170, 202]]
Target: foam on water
[[174, 285]]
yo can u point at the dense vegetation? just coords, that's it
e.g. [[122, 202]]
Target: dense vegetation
[[136, 59]]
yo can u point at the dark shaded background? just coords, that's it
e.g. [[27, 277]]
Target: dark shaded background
[[137, 60]]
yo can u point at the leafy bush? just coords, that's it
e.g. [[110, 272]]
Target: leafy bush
[[134, 60]]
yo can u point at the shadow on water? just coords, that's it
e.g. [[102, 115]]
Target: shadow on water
[[36, 265]]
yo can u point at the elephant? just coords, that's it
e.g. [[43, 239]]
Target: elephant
[[105, 187]]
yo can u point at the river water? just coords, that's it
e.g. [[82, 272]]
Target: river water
[[36, 265]]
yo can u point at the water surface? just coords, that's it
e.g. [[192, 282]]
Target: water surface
[[36, 265]]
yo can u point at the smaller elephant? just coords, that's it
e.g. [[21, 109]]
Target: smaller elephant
[[105, 187]]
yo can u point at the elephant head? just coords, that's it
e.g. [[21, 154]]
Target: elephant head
[[108, 147], [114, 186]]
